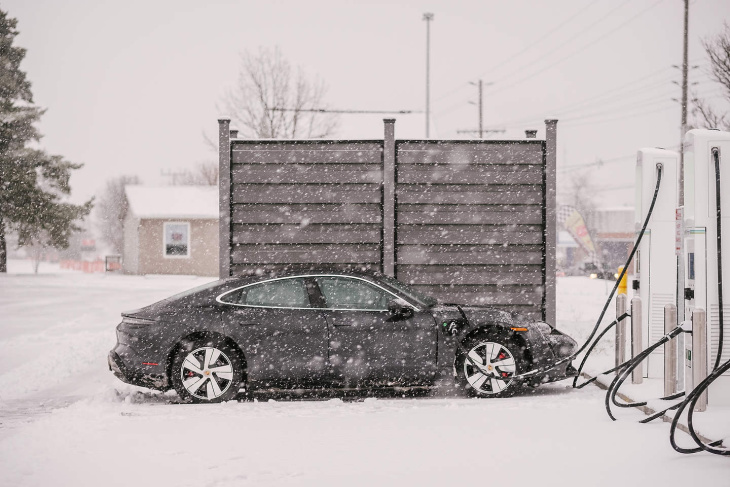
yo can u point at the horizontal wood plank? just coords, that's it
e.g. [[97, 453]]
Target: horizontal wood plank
[[481, 274], [470, 174], [306, 173], [307, 193], [306, 254], [469, 255], [306, 213], [470, 234], [486, 295], [296, 234], [458, 194], [314, 153], [456, 153], [468, 214], [276, 269]]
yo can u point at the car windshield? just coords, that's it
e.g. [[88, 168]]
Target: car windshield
[[419, 297]]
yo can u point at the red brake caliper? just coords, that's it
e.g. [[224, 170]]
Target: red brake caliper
[[502, 356]]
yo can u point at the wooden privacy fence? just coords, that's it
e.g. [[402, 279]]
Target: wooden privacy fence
[[468, 221]]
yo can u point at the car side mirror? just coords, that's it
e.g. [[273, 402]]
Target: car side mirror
[[398, 310]]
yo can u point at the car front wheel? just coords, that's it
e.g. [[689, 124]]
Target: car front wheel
[[207, 371], [487, 365]]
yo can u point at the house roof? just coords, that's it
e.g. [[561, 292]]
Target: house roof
[[173, 201]]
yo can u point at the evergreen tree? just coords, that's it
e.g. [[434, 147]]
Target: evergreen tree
[[32, 183]]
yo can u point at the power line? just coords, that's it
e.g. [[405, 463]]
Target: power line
[[602, 162], [663, 98], [598, 163], [561, 60], [568, 41], [326, 110], [545, 68], [636, 87], [632, 115], [589, 103], [519, 53], [579, 120]]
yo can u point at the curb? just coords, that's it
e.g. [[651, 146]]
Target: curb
[[646, 409]]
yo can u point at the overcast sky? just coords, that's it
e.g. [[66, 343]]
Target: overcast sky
[[131, 86]]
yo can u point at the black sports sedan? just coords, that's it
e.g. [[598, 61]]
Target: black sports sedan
[[328, 329]]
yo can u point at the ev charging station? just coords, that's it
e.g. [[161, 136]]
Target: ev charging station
[[701, 150], [656, 268]]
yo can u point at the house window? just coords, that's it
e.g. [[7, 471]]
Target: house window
[[176, 239]]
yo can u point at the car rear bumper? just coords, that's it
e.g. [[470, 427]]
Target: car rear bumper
[[128, 367]]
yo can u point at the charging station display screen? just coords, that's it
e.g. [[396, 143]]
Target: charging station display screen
[[691, 265]]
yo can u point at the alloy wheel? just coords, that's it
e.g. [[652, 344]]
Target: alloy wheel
[[489, 367], [206, 373]]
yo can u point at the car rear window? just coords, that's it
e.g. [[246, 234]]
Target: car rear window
[[281, 293]]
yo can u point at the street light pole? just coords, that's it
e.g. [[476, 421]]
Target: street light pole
[[428, 17]]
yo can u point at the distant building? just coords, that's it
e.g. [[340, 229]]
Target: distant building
[[171, 230], [614, 233]]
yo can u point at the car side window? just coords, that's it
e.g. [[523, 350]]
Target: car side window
[[282, 293], [347, 293]]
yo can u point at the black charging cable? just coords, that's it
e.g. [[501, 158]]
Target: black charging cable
[[719, 369]]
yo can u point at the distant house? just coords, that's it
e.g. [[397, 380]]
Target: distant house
[[171, 230]]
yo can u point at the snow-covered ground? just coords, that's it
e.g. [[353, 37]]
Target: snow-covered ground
[[65, 420]]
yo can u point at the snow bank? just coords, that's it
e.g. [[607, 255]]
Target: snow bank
[[65, 420]]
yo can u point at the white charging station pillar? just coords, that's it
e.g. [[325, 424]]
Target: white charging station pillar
[[656, 261], [701, 249]]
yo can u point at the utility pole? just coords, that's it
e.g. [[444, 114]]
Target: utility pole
[[428, 17], [480, 85], [680, 257], [481, 126], [684, 104]]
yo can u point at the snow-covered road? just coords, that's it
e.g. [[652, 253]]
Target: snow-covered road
[[67, 421]]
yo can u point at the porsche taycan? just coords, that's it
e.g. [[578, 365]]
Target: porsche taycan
[[329, 330]]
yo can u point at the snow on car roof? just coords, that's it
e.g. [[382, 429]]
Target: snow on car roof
[[173, 201]]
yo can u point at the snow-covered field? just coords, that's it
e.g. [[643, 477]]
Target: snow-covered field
[[65, 420]]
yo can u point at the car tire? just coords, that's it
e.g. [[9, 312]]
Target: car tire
[[495, 358], [207, 371]]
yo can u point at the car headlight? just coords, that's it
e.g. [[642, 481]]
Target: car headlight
[[543, 327]]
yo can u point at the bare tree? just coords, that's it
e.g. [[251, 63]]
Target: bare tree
[[581, 193], [266, 81], [203, 174], [111, 210], [717, 49], [706, 117]]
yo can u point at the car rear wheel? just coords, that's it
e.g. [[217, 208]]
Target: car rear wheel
[[487, 365], [207, 371]]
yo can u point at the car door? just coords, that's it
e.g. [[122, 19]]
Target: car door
[[367, 343], [283, 337]]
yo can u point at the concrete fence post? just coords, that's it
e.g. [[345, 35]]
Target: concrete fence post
[[224, 198], [389, 197], [637, 344], [551, 141], [670, 351], [621, 302], [699, 354]]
